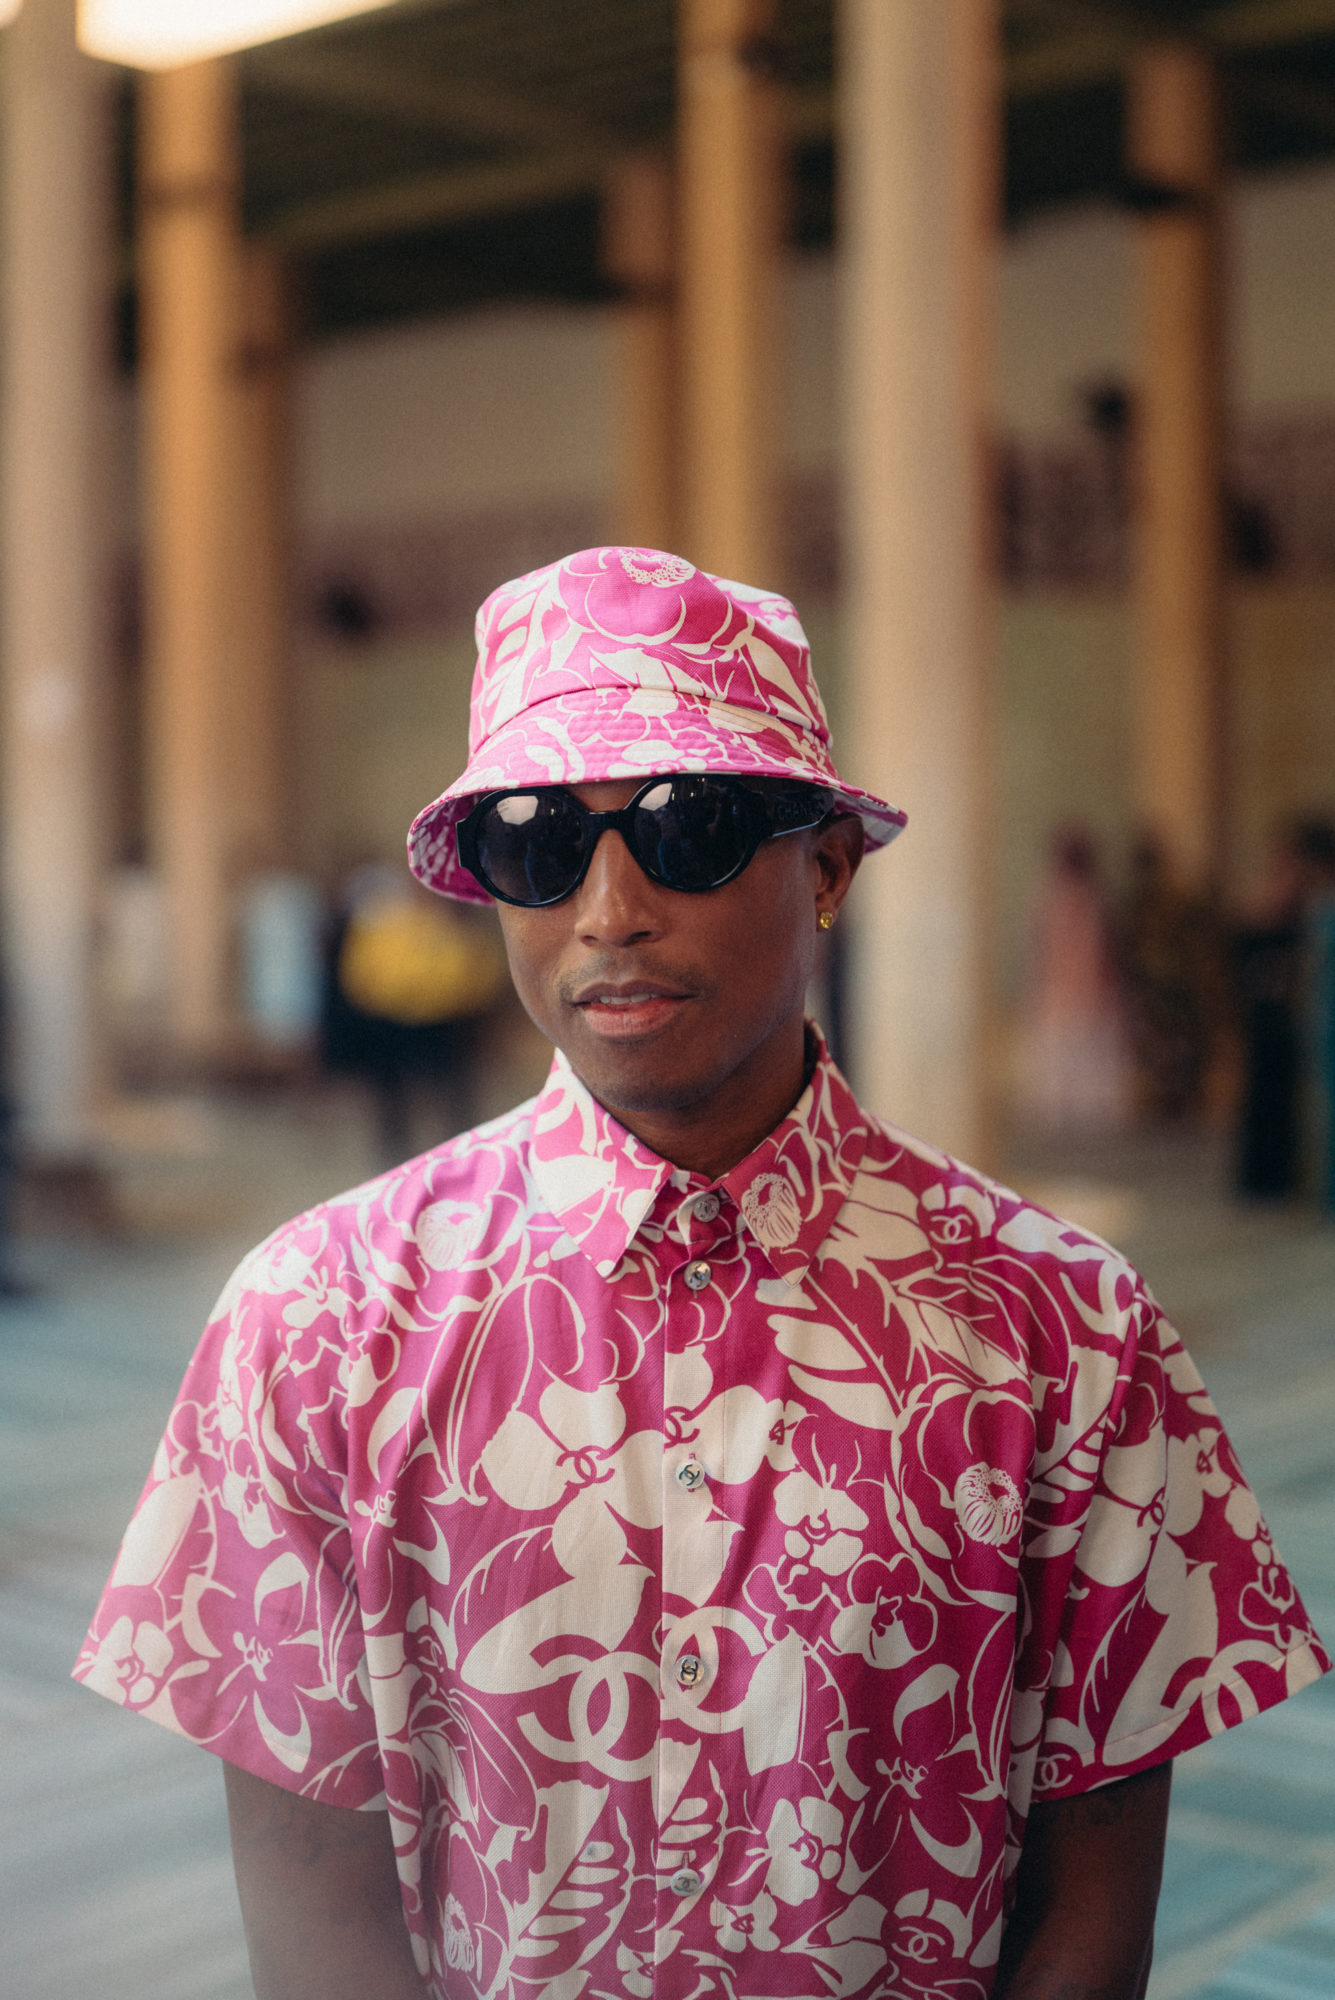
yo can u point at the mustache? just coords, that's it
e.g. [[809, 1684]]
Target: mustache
[[609, 969]]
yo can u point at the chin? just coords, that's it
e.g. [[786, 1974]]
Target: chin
[[635, 1085]]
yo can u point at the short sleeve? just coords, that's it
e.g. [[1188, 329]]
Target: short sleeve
[[1156, 1610], [231, 1615]]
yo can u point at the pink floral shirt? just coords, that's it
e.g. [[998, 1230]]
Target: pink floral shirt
[[707, 1577]]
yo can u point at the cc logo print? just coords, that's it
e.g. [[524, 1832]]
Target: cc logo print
[[596, 1747]]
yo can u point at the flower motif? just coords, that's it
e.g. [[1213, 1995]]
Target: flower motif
[[459, 1947], [988, 1503], [138, 1655], [904, 1776], [379, 1512], [651, 566], [256, 1656], [229, 1402], [637, 1971], [823, 1521], [1269, 1604], [1243, 1514], [888, 1620], [805, 1848], [1196, 1472], [770, 1211], [649, 598], [740, 1926], [445, 1231], [243, 1497]]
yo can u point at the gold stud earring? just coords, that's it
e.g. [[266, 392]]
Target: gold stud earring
[[826, 920]]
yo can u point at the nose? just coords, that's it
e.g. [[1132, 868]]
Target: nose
[[616, 902]]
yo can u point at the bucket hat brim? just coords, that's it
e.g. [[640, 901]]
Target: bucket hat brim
[[584, 737]]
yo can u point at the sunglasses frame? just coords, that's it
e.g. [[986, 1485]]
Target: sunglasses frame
[[790, 807]]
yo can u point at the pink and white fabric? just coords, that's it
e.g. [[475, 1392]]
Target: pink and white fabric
[[619, 663], [706, 1577]]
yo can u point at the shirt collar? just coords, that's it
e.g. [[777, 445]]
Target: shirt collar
[[601, 1182]]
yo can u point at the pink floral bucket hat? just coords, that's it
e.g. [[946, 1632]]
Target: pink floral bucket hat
[[623, 663]]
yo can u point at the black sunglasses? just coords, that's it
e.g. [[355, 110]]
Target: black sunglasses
[[691, 833]]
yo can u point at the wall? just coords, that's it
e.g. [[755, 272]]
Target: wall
[[1066, 321], [405, 437], [502, 415]]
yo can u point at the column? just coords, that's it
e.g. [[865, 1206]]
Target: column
[[920, 143], [1178, 681], [189, 249], [730, 171], [257, 688], [638, 257], [57, 331]]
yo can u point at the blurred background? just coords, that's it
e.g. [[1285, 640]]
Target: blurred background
[[1000, 334]]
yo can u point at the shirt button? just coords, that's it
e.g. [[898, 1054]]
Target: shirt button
[[686, 1882], [707, 1207], [690, 1670], [698, 1275], [691, 1475]]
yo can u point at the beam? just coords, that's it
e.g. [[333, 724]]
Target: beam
[[1068, 61], [453, 106], [1252, 24], [433, 200], [1302, 104], [1098, 50], [457, 194]]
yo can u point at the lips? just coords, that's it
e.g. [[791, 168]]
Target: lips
[[619, 1011]]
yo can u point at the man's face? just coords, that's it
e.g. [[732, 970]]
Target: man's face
[[683, 1013]]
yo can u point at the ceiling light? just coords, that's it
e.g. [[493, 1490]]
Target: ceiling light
[[160, 34]]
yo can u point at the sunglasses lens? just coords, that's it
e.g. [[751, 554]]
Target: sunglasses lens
[[689, 833], [694, 833], [531, 846]]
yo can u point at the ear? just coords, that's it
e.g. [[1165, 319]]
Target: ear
[[837, 847]]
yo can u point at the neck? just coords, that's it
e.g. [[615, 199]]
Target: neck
[[711, 1134]]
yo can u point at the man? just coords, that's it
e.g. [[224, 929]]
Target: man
[[686, 1537]]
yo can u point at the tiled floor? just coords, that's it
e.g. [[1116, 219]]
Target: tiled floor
[[114, 1877]]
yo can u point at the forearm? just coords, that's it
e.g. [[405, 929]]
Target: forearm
[[1083, 1923], [319, 1898], [1053, 1963]]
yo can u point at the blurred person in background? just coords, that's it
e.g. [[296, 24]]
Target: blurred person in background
[[281, 919], [1322, 923], [1170, 950], [1272, 973], [409, 984], [1074, 1060], [688, 1537]]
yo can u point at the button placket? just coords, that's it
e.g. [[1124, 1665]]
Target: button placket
[[691, 1527]]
